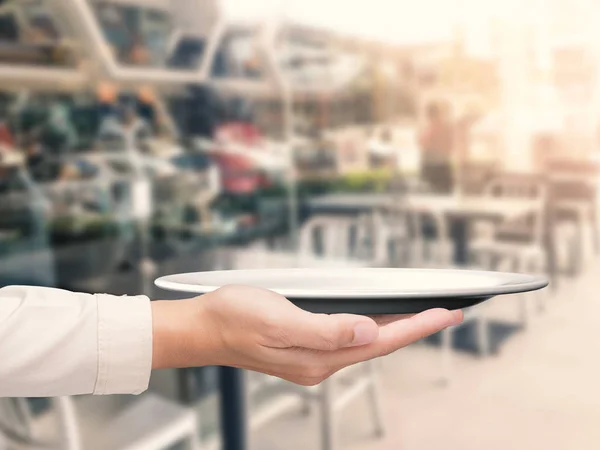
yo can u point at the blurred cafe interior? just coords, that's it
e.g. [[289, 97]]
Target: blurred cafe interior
[[140, 138]]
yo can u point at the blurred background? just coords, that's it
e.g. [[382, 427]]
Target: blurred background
[[140, 138]]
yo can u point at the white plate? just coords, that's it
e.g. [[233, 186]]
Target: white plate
[[364, 290]]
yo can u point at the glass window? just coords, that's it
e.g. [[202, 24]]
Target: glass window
[[40, 21], [157, 33], [187, 52], [238, 56], [30, 35], [9, 28], [147, 37]]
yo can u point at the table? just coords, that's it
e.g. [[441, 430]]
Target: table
[[455, 205], [460, 209]]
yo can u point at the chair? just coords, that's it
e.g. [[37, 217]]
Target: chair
[[430, 242], [388, 237], [361, 240], [426, 236], [517, 244], [150, 423], [573, 198]]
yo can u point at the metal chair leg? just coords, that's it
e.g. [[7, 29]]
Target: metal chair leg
[[522, 266], [483, 336], [327, 415], [375, 399], [447, 356], [539, 297], [306, 406]]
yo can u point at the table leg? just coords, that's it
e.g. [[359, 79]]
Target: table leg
[[551, 250], [183, 386], [460, 236], [233, 409]]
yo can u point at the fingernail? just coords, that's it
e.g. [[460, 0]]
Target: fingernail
[[457, 315], [364, 333]]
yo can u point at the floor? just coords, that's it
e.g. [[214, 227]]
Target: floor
[[540, 392]]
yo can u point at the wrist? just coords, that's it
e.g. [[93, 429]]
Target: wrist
[[180, 337]]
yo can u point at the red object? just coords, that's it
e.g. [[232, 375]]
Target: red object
[[239, 173], [239, 132], [6, 138]]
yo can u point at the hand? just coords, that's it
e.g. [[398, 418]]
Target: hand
[[260, 330]]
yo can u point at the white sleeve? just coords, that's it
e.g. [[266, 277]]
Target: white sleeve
[[56, 343]]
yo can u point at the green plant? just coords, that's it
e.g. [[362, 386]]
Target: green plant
[[369, 181]]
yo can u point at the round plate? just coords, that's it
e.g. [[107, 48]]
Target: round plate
[[365, 290]]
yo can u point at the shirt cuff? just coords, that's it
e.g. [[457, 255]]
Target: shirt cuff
[[124, 344]]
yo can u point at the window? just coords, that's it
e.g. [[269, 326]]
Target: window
[[238, 56], [156, 32], [29, 35], [9, 29], [148, 37], [40, 21]]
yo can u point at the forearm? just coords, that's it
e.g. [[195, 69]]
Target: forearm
[[54, 342]]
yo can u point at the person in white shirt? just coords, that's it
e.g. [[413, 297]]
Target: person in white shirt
[[55, 342]]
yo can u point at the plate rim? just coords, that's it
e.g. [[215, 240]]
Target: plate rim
[[522, 283]]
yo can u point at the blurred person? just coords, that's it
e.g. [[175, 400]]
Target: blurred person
[[55, 342], [437, 147], [139, 54], [203, 112], [107, 102], [146, 108], [545, 148], [69, 172], [36, 160], [464, 125], [41, 165], [381, 150], [127, 125], [252, 67], [134, 127], [58, 134], [462, 145]]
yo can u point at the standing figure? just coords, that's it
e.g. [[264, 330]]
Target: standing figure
[[437, 149]]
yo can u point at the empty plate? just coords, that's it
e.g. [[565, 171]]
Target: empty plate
[[365, 290]]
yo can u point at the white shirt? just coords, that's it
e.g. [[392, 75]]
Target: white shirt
[[57, 343]]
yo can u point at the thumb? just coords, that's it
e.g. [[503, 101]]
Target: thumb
[[331, 332]]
